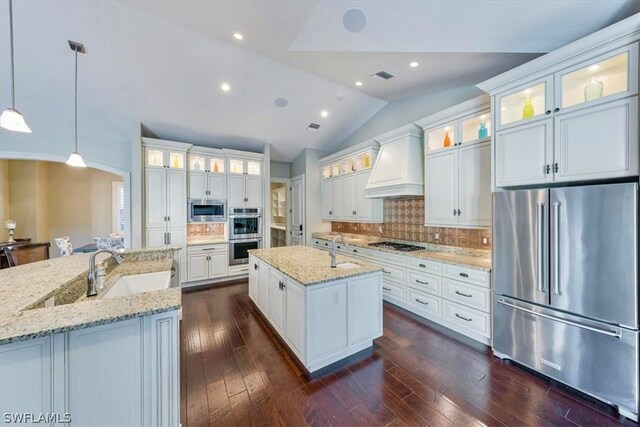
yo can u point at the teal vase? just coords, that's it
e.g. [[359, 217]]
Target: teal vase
[[483, 132]]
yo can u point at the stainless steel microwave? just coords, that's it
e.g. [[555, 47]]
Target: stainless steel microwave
[[206, 210]]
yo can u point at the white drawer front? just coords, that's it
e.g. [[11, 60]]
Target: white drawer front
[[321, 244], [222, 247], [393, 292], [419, 264], [387, 257], [424, 302], [353, 251], [392, 273], [425, 282], [469, 275], [473, 296], [466, 317]]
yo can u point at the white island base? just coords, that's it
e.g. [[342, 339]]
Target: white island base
[[324, 325]]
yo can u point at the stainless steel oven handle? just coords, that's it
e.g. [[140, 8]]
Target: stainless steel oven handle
[[615, 334], [556, 248], [541, 229]]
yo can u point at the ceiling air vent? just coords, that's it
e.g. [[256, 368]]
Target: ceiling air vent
[[313, 127], [382, 75]]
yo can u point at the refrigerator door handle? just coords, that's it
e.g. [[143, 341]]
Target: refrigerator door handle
[[542, 249], [556, 248], [615, 334]]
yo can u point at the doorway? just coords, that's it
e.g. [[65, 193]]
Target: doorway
[[280, 218], [297, 195]]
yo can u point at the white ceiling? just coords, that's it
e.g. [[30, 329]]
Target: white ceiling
[[162, 62]]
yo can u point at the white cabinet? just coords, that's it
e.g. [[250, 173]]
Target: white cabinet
[[207, 262], [207, 185], [295, 322], [26, 377], [165, 196], [275, 304], [441, 175], [524, 154], [577, 123], [597, 142], [244, 166], [130, 367], [321, 323], [458, 186], [244, 191], [344, 178]]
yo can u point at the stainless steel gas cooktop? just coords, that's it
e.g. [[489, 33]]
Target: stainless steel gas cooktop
[[397, 246]]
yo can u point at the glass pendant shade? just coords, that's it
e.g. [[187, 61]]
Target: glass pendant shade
[[75, 160], [11, 119]]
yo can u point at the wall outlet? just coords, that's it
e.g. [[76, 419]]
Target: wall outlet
[[380, 229], [438, 236], [485, 241]]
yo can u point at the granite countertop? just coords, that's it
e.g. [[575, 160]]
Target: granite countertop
[[24, 290], [310, 266], [479, 259], [197, 241]]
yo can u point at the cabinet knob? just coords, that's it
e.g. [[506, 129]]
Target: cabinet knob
[[557, 109], [556, 168], [455, 212], [459, 212], [547, 112]]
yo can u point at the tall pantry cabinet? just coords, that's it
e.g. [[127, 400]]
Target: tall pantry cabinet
[[165, 195]]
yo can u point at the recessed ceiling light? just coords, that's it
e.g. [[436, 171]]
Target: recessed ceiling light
[[594, 67], [358, 83], [413, 64], [225, 87], [238, 36], [281, 102], [324, 113]]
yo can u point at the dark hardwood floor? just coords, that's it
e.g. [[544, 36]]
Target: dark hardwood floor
[[234, 372]]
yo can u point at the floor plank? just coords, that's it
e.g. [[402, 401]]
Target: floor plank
[[234, 372]]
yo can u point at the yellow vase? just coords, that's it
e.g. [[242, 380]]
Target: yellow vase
[[527, 110]]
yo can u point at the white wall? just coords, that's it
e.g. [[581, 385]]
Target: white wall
[[399, 113], [308, 163]]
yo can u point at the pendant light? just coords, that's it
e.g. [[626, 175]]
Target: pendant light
[[75, 159], [11, 119]]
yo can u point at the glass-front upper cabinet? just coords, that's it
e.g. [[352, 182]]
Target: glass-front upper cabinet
[[197, 163], [217, 165], [603, 77], [326, 171], [525, 103], [441, 137], [242, 166], [476, 128], [157, 157], [204, 163]]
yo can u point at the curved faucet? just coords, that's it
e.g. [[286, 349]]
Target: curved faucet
[[91, 276], [333, 248]]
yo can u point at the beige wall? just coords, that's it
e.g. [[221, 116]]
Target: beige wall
[[50, 200], [4, 197]]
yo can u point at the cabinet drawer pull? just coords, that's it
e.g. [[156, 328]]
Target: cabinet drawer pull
[[386, 272], [422, 265], [466, 319], [255, 266], [421, 282], [386, 289], [464, 275], [355, 251], [464, 295], [422, 302]]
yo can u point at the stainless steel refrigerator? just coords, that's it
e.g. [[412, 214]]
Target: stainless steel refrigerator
[[565, 291]]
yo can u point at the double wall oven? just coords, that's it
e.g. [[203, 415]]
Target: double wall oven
[[245, 233]]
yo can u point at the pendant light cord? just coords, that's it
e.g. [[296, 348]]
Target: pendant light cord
[[76, 101], [13, 80]]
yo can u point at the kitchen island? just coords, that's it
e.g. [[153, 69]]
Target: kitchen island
[[325, 316], [111, 359]]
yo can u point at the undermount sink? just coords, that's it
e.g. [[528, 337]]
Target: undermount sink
[[129, 285], [347, 266]]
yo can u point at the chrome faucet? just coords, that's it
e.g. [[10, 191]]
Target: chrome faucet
[[333, 249], [91, 276]]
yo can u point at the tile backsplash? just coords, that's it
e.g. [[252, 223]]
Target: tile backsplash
[[404, 220], [206, 230]]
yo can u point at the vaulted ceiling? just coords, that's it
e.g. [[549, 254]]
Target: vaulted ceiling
[[162, 62]]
